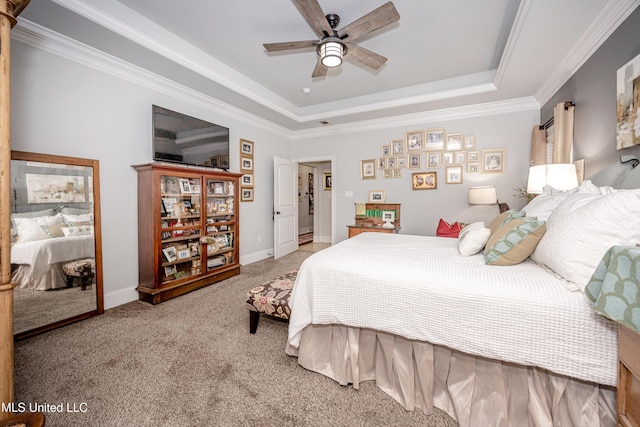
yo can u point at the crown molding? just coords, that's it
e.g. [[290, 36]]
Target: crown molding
[[607, 21], [512, 41]]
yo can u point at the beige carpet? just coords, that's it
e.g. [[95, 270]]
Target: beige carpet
[[192, 362]]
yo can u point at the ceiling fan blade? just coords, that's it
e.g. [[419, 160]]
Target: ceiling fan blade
[[314, 15], [365, 56], [320, 70], [275, 47], [378, 18]]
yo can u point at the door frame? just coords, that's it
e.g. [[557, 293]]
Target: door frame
[[332, 160]]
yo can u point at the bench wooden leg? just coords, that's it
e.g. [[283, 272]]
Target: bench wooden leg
[[254, 316]]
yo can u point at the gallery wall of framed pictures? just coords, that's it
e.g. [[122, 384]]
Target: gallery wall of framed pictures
[[426, 151], [247, 169]]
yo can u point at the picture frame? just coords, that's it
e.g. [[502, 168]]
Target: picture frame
[[172, 185], [195, 188], [214, 161], [223, 161], [453, 175], [185, 186], [473, 156], [447, 158], [493, 160], [184, 254], [246, 194], [218, 187], [223, 208], [246, 163], [434, 160], [368, 169], [386, 150], [246, 147], [382, 163], [387, 173], [168, 203], [170, 253], [326, 179], [627, 104], [424, 181], [454, 142], [43, 188], [415, 161], [473, 167], [247, 180], [392, 163], [170, 270], [397, 146], [435, 139], [402, 161], [376, 196], [396, 173], [470, 142], [194, 248], [414, 140], [180, 275], [460, 157]]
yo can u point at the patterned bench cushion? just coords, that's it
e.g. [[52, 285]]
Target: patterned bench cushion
[[80, 268], [272, 297]]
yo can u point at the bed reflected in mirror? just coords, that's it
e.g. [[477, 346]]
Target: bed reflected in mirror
[[56, 257]]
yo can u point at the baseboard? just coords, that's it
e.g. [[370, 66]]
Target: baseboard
[[255, 257], [305, 230], [114, 299], [322, 239]]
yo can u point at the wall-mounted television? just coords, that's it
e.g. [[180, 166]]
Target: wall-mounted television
[[179, 138]]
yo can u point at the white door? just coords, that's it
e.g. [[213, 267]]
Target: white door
[[285, 207]]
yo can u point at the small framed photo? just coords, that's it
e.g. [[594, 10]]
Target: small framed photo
[[376, 196], [473, 167], [424, 181], [195, 188], [382, 163], [493, 161], [222, 208], [247, 180], [217, 187], [170, 253], [213, 160], [246, 163], [172, 185], [387, 173], [454, 141], [386, 150], [246, 195], [326, 179], [368, 169], [392, 163], [223, 161], [473, 156], [447, 158], [396, 173], [460, 157], [414, 140], [397, 146], [184, 254], [415, 161], [246, 147], [434, 160], [185, 186], [469, 142], [435, 139], [454, 175], [170, 270], [167, 203], [402, 161]]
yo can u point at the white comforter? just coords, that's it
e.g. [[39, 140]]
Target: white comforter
[[421, 288], [41, 254]]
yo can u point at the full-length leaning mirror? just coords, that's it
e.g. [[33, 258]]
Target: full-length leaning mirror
[[56, 256]]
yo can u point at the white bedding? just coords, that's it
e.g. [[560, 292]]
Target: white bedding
[[40, 256], [419, 287]]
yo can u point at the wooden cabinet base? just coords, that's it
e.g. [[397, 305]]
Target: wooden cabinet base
[[156, 296]]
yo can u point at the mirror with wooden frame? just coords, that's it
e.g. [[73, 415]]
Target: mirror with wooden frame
[[56, 245]]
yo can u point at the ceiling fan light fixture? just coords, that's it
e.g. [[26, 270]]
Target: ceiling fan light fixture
[[331, 54]]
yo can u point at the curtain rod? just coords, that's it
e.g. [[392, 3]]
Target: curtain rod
[[549, 122]]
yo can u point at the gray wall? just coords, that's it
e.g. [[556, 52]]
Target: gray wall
[[593, 89]]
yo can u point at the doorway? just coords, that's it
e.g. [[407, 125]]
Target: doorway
[[316, 203]]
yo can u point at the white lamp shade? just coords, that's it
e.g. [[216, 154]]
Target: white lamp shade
[[331, 54], [561, 176], [485, 195]]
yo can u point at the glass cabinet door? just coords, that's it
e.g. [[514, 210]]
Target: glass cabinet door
[[220, 227], [180, 208]]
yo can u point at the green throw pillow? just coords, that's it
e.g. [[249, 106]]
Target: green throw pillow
[[514, 241]]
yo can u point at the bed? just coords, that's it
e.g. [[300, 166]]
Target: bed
[[515, 343], [43, 244]]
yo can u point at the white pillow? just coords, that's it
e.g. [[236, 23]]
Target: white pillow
[[583, 227], [472, 238], [82, 230], [77, 218], [542, 206], [29, 230]]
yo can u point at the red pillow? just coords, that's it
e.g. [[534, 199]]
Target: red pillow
[[448, 230]]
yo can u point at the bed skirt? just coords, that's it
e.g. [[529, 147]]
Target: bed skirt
[[474, 391], [53, 278]]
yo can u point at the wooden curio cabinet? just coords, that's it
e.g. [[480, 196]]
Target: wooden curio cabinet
[[188, 229]]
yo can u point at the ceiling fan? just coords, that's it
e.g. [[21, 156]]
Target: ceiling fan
[[334, 45]]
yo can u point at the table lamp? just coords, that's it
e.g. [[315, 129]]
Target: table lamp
[[486, 195]]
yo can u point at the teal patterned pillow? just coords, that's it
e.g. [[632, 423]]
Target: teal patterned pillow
[[503, 218], [514, 241]]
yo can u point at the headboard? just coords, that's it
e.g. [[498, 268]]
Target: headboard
[[623, 175]]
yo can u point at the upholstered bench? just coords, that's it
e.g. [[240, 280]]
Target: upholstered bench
[[83, 269], [271, 298]]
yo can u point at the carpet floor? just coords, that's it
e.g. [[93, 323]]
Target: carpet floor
[[191, 361]]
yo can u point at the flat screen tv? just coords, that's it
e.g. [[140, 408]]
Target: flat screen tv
[[179, 138]]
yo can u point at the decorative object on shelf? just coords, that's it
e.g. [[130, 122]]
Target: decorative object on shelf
[[368, 169], [493, 161], [376, 196], [628, 108], [424, 181], [454, 175], [486, 195], [388, 217], [561, 176]]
